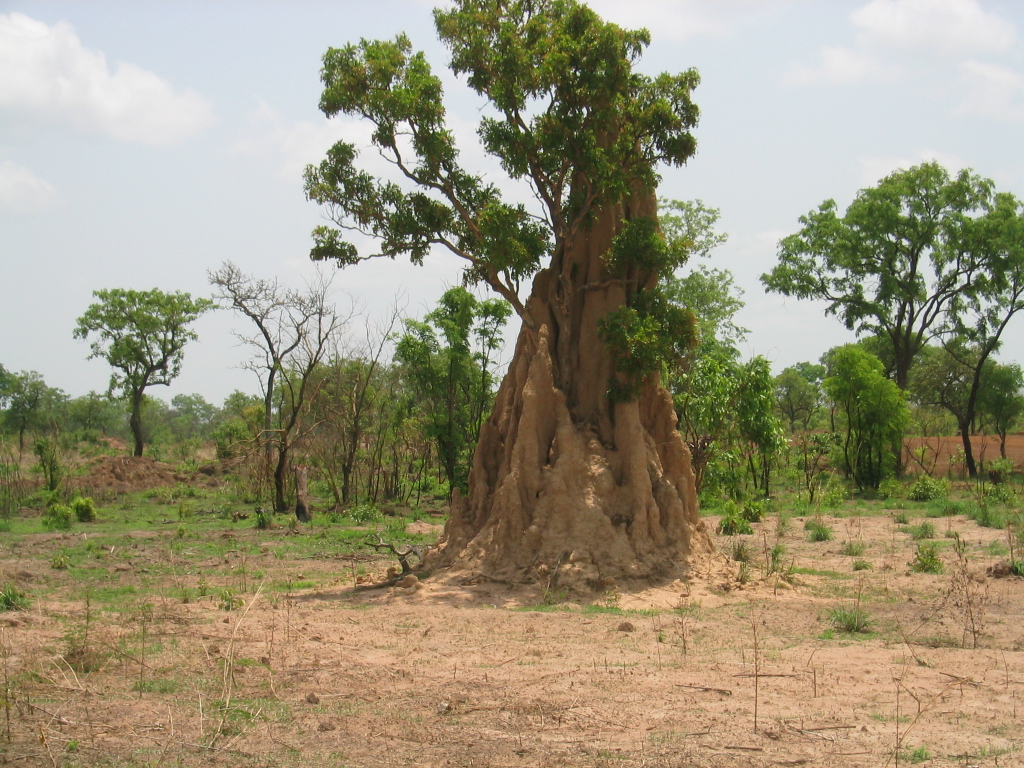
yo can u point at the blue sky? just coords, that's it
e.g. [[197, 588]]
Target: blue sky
[[142, 144]]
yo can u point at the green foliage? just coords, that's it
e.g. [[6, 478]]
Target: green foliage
[[644, 336], [850, 618], [449, 363], [861, 565], [741, 551], [733, 522], [927, 488], [13, 599], [58, 517], [890, 488], [84, 509], [872, 412], [922, 531], [141, 334], [853, 548], [834, 496], [818, 530], [896, 263], [47, 450], [263, 518], [926, 559], [363, 514], [229, 601]]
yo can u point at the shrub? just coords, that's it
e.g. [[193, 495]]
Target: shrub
[[84, 509], [817, 530], [57, 517], [850, 618], [1001, 494], [263, 518], [926, 559], [365, 513], [833, 497], [754, 511], [890, 488], [733, 522], [775, 556], [13, 599], [999, 470], [922, 531], [926, 488]]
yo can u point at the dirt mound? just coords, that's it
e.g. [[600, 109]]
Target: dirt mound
[[127, 474]]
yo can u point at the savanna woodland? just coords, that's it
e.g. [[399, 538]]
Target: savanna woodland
[[614, 540]]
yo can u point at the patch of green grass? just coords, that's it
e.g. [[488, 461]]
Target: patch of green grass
[[821, 572], [13, 599], [849, 618], [614, 610], [162, 685], [853, 548], [916, 754], [901, 518], [741, 552], [818, 530], [922, 531], [861, 565]]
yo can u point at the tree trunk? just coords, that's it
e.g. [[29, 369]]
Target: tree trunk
[[965, 438], [280, 470], [567, 486], [301, 510], [135, 421]]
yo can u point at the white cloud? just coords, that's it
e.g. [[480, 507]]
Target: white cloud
[[992, 91], [896, 36], [874, 169], [290, 145], [941, 26], [843, 66], [21, 191], [46, 73]]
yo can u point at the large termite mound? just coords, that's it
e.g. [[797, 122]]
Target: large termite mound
[[550, 499]]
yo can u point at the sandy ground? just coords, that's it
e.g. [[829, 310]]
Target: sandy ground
[[703, 671]]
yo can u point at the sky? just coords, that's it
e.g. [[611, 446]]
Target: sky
[[144, 144]]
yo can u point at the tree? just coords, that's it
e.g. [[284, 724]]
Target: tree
[[993, 300], [798, 393], [898, 263], [872, 414], [142, 335], [580, 453], [293, 331], [453, 383], [30, 404], [1001, 400]]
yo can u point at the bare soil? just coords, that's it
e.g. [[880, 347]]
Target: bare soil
[[940, 455], [705, 671]]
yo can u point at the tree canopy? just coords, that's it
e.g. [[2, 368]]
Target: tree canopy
[[901, 262], [142, 335]]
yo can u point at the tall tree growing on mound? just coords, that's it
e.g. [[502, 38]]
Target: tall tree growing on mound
[[579, 473]]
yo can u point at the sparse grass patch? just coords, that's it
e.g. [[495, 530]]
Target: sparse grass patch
[[13, 599], [922, 531], [850, 618], [853, 548], [861, 565], [818, 530]]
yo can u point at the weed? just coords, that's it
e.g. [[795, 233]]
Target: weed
[[861, 565], [917, 754], [850, 618], [901, 518], [969, 596], [890, 488], [13, 599], [926, 559], [60, 561], [775, 555], [264, 518], [744, 573], [362, 514], [741, 551], [733, 523], [818, 530], [922, 531], [229, 601], [833, 497], [853, 548]]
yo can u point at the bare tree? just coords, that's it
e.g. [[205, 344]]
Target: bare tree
[[293, 333]]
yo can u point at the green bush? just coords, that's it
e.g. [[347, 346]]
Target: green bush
[[861, 565], [926, 559], [833, 497], [999, 470], [741, 552], [365, 513], [58, 517], [84, 509], [754, 511], [264, 518], [1001, 494], [733, 522], [890, 488], [926, 488]]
